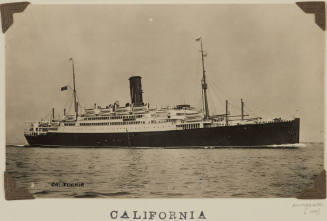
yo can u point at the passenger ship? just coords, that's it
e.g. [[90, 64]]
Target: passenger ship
[[138, 125]]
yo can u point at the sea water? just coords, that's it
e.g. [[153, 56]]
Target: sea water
[[165, 173]]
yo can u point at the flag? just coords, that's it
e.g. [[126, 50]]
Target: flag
[[64, 88], [198, 39]]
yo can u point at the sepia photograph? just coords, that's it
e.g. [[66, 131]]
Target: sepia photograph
[[164, 101]]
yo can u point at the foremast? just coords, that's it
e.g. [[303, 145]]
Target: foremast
[[204, 83], [74, 89]]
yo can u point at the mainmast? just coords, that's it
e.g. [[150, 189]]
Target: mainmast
[[75, 99], [204, 83]]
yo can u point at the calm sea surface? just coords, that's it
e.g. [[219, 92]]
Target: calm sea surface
[[165, 173]]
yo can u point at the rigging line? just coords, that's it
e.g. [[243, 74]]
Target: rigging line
[[81, 107], [220, 98], [216, 105], [67, 102], [77, 98], [70, 105], [68, 99], [252, 113], [250, 109], [218, 88], [47, 116], [69, 82], [209, 98], [69, 108], [213, 84], [233, 105], [212, 96]]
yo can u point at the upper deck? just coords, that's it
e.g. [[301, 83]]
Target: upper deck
[[124, 119]]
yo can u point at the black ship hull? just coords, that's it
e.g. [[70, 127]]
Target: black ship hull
[[274, 133]]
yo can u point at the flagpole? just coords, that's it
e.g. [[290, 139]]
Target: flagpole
[[75, 101]]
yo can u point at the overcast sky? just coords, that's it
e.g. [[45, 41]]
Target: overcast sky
[[269, 55]]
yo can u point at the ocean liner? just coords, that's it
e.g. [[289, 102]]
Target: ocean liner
[[136, 124]]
